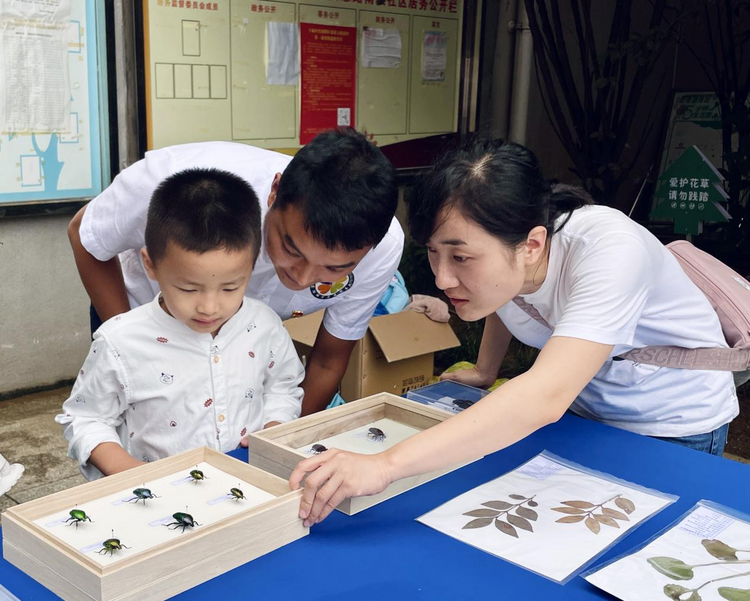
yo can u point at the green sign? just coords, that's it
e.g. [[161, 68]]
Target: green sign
[[690, 192]]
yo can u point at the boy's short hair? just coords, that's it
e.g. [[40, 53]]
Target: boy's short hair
[[344, 187], [202, 210]]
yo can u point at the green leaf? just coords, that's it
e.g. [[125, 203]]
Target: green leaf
[[671, 567], [527, 513], [570, 519], [519, 522], [734, 594], [506, 528], [625, 504], [593, 525], [675, 591], [478, 523], [497, 504], [517, 497], [719, 549], [482, 513], [569, 510], [579, 504]]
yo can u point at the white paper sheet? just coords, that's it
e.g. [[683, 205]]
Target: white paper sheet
[[142, 526], [283, 54], [514, 516], [357, 440], [707, 538], [34, 79], [381, 48], [434, 56]]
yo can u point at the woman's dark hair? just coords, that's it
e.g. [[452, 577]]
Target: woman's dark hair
[[499, 186], [202, 210]]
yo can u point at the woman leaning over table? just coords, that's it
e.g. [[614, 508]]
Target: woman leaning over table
[[496, 234]]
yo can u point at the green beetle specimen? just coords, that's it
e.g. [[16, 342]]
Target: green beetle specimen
[[182, 520], [197, 476], [141, 494], [236, 493], [77, 516], [111, 545]]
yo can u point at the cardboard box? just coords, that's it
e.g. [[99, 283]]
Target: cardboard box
[[162, 569], [279, 449], [396, 354]]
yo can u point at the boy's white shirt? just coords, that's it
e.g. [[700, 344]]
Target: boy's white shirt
[[114, 224], [156, 387], [611, 281]]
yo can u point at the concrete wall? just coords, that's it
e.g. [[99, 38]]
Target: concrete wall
[[44, 325]]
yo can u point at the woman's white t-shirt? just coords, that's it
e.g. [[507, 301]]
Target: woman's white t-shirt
[[611, 281]]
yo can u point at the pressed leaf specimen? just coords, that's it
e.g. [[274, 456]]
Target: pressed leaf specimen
[[495, 511], [677, 569], [586, 512]]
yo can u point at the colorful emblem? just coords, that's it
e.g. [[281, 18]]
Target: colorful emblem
[[326, 290]]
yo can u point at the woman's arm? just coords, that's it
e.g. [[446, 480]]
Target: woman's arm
[[495, 341], [512, 412]]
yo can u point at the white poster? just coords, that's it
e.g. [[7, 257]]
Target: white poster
[[381, 48], [283, 54], [548, 516], [434, 56], [704, 556], [34, 78]]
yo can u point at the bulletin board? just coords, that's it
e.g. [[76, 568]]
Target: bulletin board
[[273, 74], [54, 137]]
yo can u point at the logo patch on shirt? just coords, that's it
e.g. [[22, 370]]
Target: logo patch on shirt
[[326, 290]]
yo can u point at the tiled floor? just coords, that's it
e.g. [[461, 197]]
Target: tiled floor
[[29, 435]]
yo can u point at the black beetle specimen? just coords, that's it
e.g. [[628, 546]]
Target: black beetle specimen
[[376, 434], [197, 476], [317, 449], [77, 516], [236, 493], [463, 403], [182, 520], [141, 494], [111, 545]]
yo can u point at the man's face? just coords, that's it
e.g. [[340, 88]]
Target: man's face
[[301, 260]]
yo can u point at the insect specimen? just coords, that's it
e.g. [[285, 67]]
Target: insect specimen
[[376, 434], [141, 494], [182, 520], [236, 493], [111, 545], [317, 449], [493, 511], [77, 516], [463, 403], [197, 476], [578, 511]]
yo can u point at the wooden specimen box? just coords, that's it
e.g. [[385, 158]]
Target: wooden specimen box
[[155, 561], [348, 427]]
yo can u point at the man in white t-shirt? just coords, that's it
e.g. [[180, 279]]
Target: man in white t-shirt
[[330, 240]]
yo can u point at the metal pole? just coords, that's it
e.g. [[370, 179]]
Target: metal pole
[[126, 83]]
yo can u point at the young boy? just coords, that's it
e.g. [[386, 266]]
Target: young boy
[[199, 365]]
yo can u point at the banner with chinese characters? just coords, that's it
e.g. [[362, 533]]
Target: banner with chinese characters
[[329, 63]]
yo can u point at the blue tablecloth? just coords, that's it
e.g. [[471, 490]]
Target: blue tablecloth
[[383, 554]]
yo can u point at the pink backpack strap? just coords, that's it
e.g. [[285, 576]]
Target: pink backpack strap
[[714, 359]]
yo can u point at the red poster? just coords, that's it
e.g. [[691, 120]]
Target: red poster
[[329, 63]]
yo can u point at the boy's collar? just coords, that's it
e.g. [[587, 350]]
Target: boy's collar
[[164, 319]]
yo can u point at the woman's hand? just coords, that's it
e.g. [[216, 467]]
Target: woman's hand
[[334, 476], [472, 377]]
